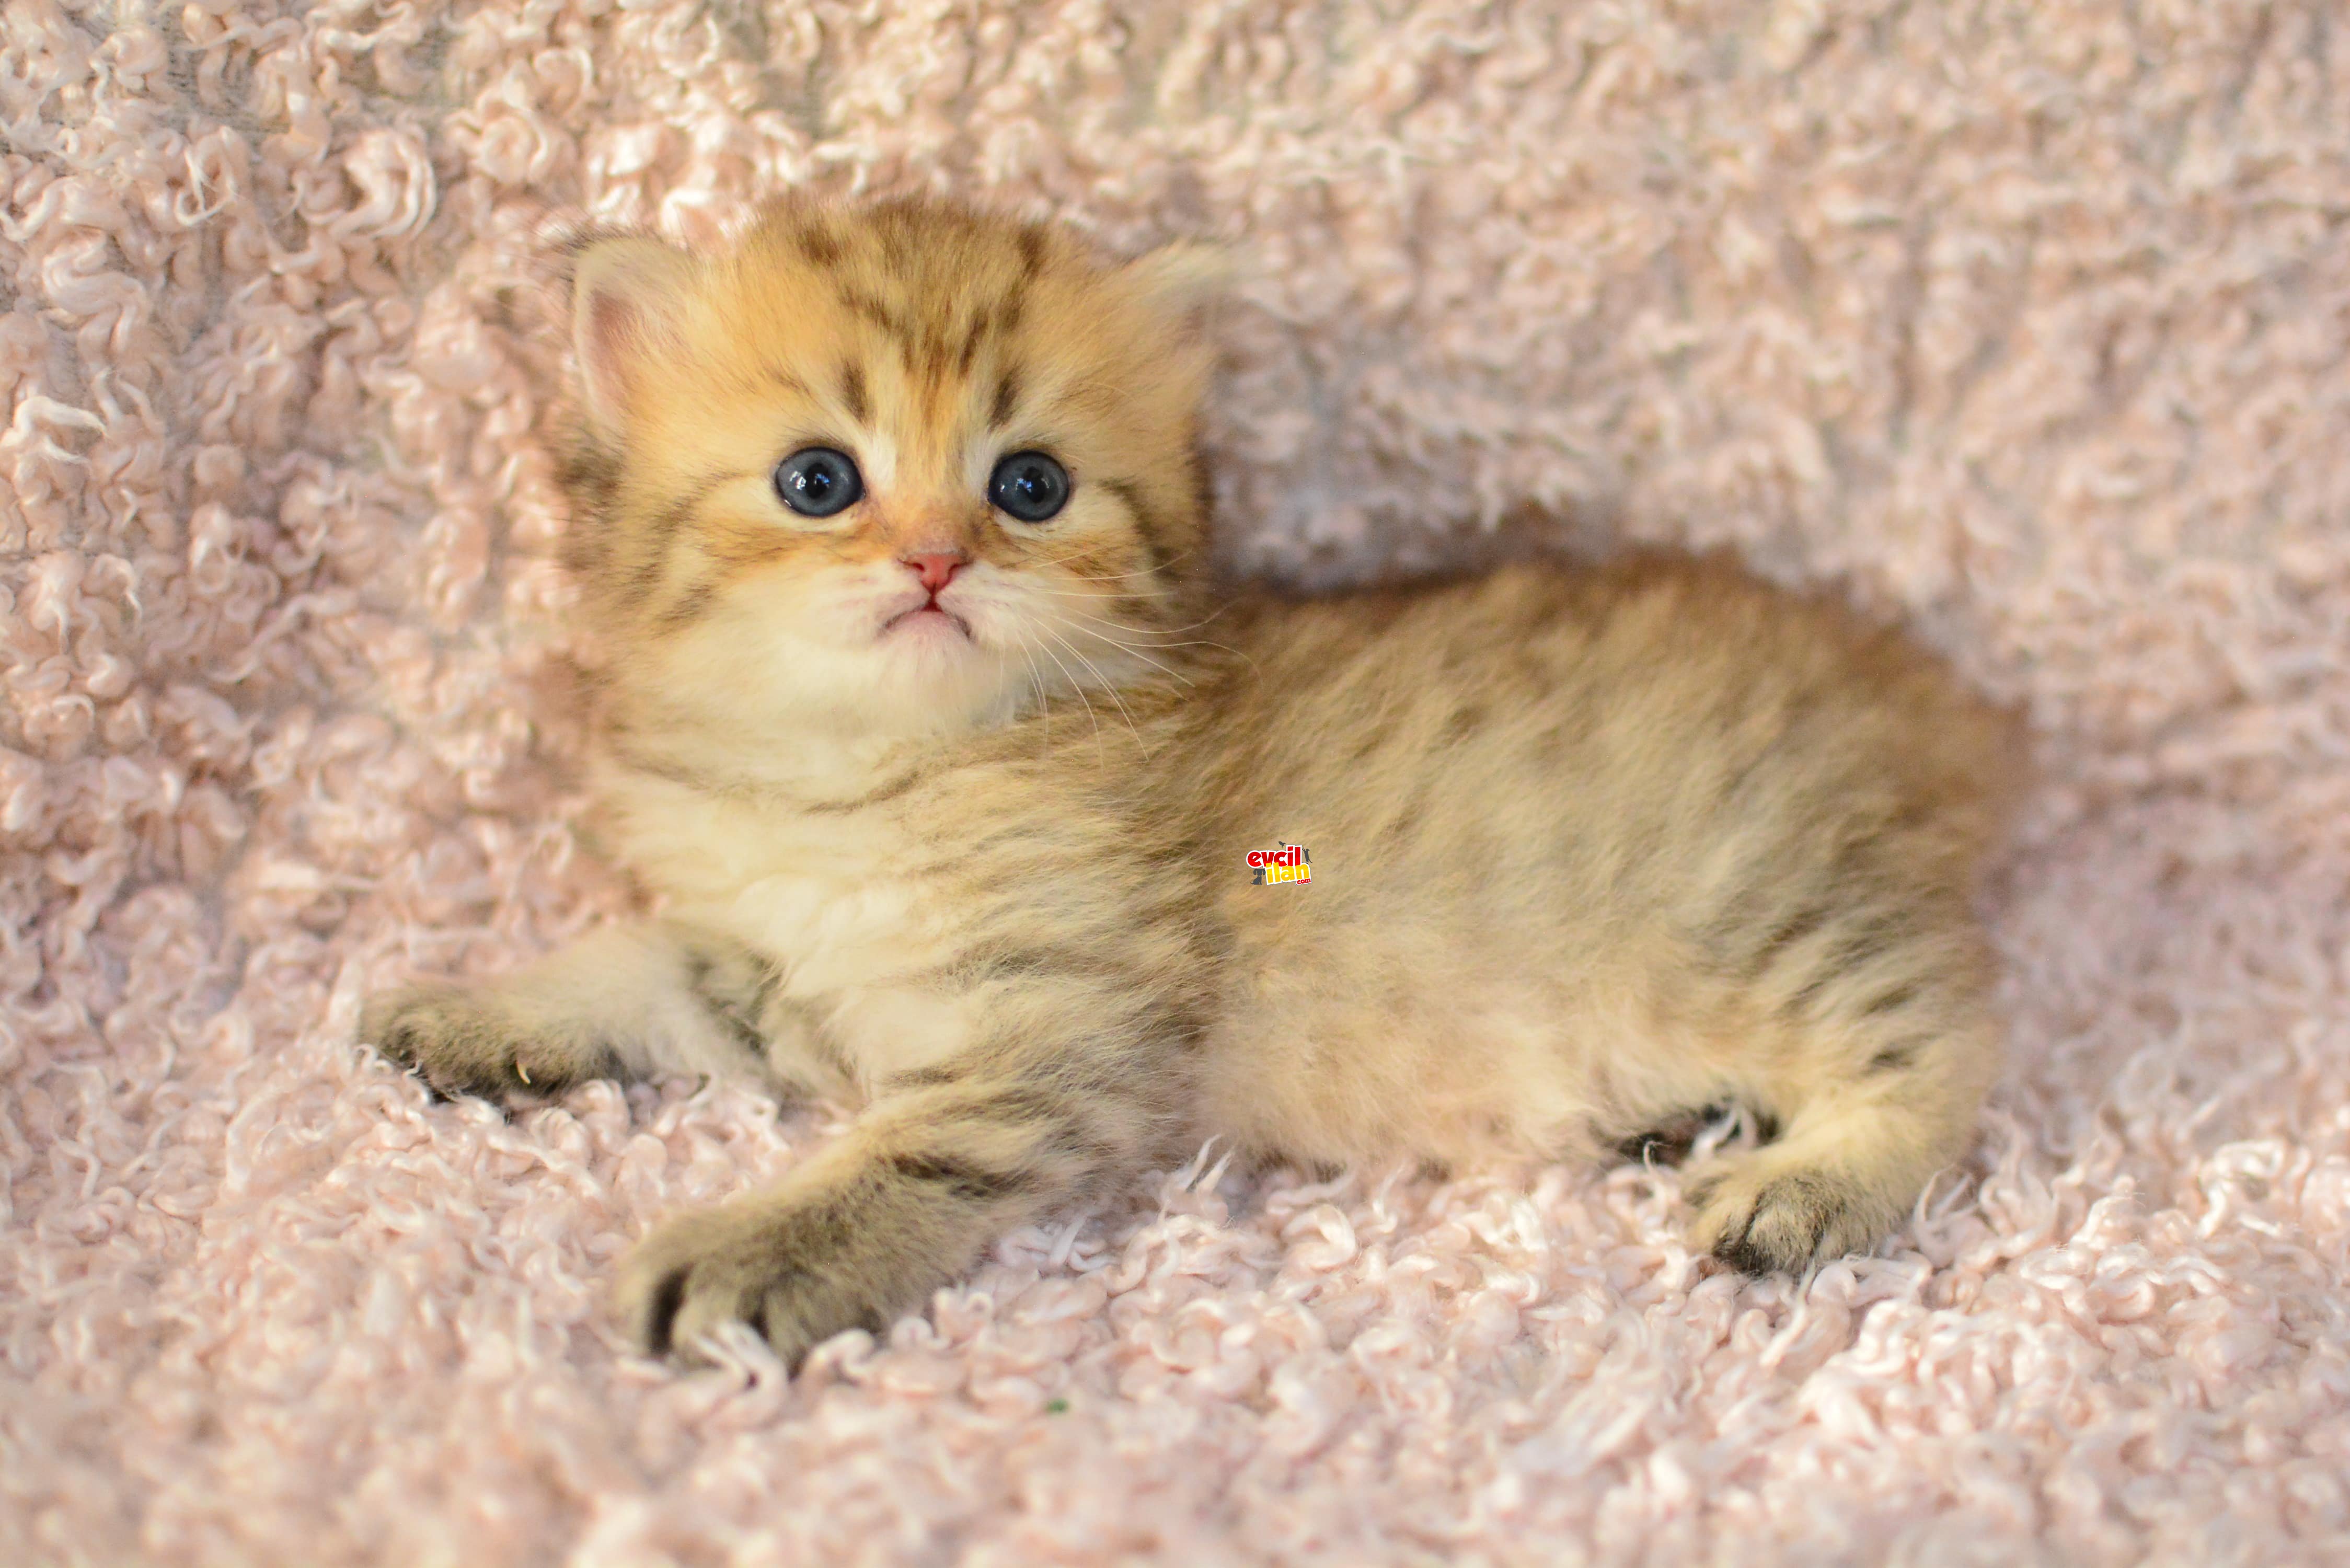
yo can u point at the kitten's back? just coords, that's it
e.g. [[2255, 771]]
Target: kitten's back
[[1580, 837], [1644, 695]]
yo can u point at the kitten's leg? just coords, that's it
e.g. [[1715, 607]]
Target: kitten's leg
[[1889, 1073], [906, 1201], [625, 1001]]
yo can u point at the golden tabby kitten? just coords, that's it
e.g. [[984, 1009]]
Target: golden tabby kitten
[[894, 518]]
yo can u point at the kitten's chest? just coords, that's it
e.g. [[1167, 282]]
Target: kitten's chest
[[828, 896]]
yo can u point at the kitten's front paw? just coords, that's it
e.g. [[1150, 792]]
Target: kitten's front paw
[[790, 1270], [1762, 1216], [460, 1045]]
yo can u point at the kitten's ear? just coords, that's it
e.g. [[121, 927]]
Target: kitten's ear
[[628, 308], [1180, 280]]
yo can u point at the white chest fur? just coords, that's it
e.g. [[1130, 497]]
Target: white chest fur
[[823, 896]]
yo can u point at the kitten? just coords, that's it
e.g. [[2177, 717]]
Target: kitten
[[947, 757]]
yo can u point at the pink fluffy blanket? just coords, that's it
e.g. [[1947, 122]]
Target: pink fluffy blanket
[[2024, 318]]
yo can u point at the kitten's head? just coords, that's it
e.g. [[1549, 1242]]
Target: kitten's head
[[901, 468]]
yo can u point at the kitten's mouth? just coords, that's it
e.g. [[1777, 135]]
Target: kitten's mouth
[[929, 619]]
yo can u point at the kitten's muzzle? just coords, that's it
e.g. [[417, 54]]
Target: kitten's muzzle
[[927, 605], [936, 570]]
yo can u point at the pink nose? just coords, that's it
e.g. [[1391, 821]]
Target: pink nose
[[936, 569]]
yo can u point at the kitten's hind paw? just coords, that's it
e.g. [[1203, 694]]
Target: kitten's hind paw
[[1762, 1215], [459, 1044]]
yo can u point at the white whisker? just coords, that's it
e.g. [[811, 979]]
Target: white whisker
[[1108, 685], [1132, 652], [1043, 698], [1136, 631], [1078, 687], [1109, 577]]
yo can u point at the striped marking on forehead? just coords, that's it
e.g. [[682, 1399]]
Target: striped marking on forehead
[[941, 344], [1007, 397]]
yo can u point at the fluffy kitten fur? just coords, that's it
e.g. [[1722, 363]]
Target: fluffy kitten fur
[[1592, 849]]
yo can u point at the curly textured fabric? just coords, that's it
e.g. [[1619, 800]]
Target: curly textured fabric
[[2026, 317]]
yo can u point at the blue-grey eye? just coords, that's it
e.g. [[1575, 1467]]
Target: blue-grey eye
[[1030, 486], [818, 482]]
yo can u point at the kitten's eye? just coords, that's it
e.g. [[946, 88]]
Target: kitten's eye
[[1030, 486], [818, 482]]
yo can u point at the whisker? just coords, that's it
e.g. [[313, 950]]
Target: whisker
[[1121, 626], [1132, 652], [1078, 687], [1222, 646], [1094, 577], [1136, 631], [1121, 577], [1119, 596], [1044, 699], [1112, 576], [1108, 685], [1159, 646], [1064, 593]]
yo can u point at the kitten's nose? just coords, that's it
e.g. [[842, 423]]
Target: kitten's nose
[[936, 568]]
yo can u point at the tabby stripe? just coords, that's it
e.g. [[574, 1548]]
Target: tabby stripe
[[817, 244], [1007, 397], [1785, 935], [973, 1183], [888, 792], [982, 324], [1900, 996], [1897, 1056], [869, 308], [689, 606], [1147, 526], [661, 768]]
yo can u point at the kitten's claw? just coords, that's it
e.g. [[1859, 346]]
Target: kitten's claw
[[448, 1038]]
